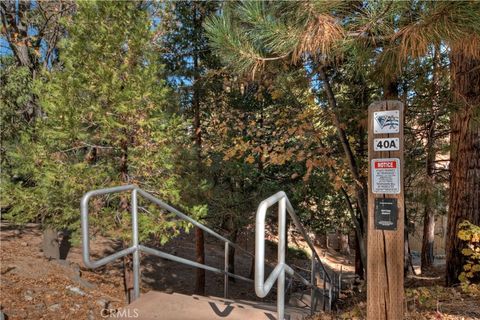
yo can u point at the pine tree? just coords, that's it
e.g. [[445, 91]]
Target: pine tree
[[464, 200], [108, 122], [32, 30], [184, 49], [456, 24], [250, 35]]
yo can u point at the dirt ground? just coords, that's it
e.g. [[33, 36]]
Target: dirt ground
[[33, 287], [426, 298]]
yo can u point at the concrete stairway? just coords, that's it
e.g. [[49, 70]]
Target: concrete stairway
[[164, 306]]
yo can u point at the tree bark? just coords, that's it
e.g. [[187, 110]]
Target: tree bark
[[352, 164], [231, 254], [232, 231], [390, 88], [408, 261], [428, 239], [464, 200], [128, 276], [344, 245], [200, 258], [360, 237], [127, 260], [16, 31], [15, 25], [18, 18], [199, 236], [361, 184], [358, 259]]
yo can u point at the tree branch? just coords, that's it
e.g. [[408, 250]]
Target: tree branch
[[360, 185]]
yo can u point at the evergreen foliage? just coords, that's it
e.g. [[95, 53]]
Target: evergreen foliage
[[108, 122], [15, 97], [144, 93]]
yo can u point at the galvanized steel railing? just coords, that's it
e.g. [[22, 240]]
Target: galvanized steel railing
[[262, 286], [136, 247]]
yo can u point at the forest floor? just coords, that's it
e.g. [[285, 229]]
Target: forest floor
[[33, 287], [426, 297]]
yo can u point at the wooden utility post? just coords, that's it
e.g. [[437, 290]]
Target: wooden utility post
[[385, 242]]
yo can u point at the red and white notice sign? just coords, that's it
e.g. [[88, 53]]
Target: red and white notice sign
[[386, 176]]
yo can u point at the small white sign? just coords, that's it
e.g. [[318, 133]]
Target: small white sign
[[386, 122], [386, 144], [386, 176]]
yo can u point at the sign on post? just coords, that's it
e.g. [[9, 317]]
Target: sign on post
[[386, 176], [386, 214], [386, 121], [385, 242], [386, 144]]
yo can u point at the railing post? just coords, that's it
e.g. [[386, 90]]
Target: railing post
[[262, 286], [340, 281], [335, 287], [136, 253], [312, 290], [282, 205], [324, 289], [330, 295], [225, 268]]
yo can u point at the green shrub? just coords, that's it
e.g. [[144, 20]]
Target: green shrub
[[470, 234]]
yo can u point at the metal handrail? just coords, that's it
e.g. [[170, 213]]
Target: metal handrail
[[136, 247], [262, 286]]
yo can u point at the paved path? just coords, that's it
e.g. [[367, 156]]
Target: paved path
[[156, 305]]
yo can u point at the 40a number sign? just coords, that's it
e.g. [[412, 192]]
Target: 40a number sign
[[386, 144]]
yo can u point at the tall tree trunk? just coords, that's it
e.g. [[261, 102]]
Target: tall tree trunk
[[360, 182], [464, 200], [199, 236], [200, 258], [428, 239], [358, 259], [344, 244], [14, 19], [231, 253], [15, 15], [362, 153], [427, 255], [390, 88], [230, 226], [360, 250], [127, 260], [408, 261], [128, 275]]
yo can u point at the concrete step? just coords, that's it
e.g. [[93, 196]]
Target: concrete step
[[156, 305], [296, 307]]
